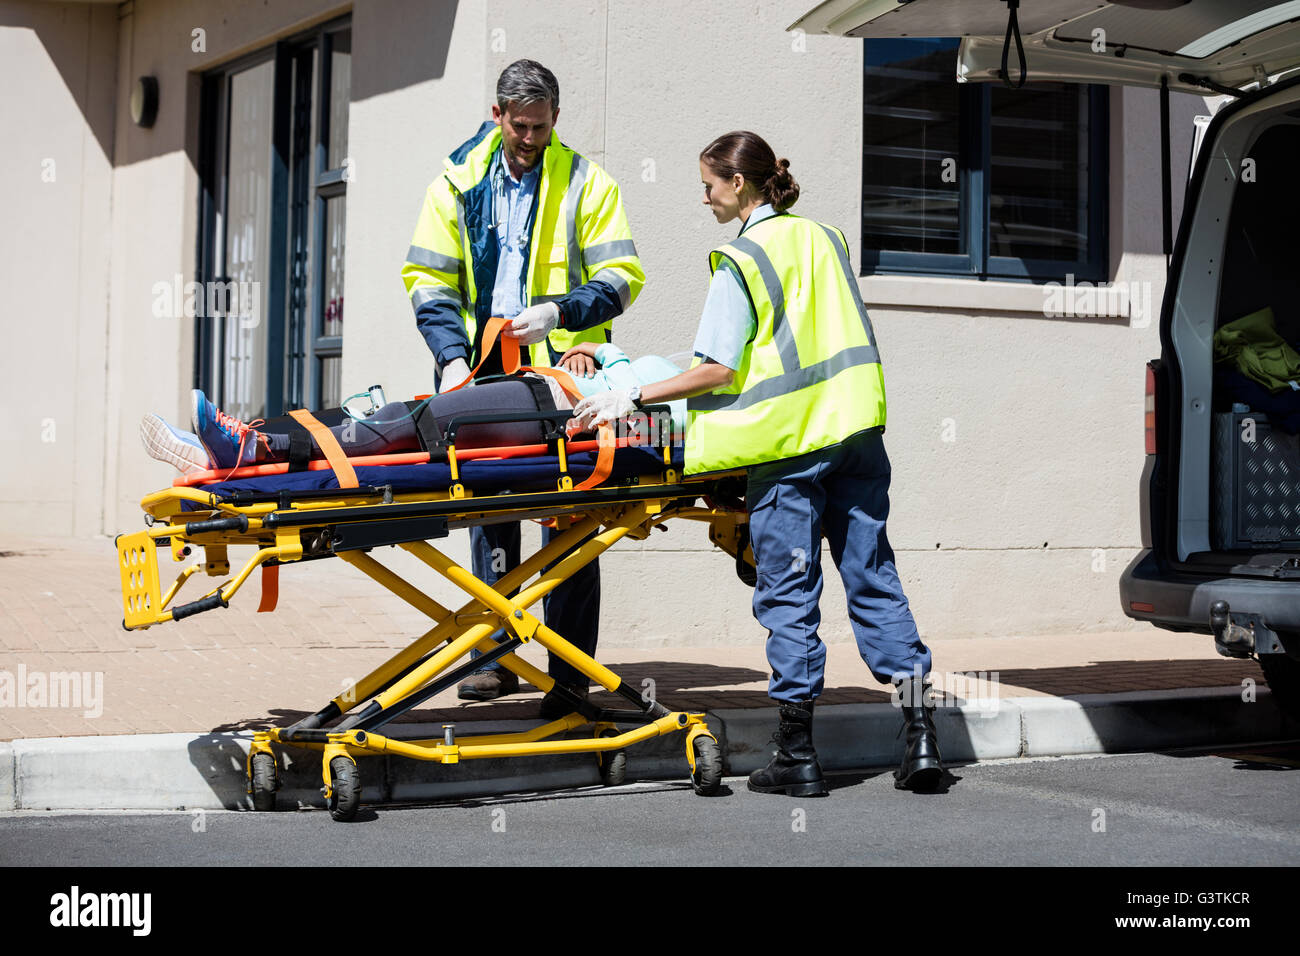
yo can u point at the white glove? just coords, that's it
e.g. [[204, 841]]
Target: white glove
[[601, 410], [534, 323], [453, 373]]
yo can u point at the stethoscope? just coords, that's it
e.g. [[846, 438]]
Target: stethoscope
[[498, 220]]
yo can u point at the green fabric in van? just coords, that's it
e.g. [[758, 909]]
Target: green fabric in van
[[1254, 346]]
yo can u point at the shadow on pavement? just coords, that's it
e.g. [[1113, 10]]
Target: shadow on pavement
[[221, 761]]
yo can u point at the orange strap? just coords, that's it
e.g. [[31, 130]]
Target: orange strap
[[510, 360], [604, 459], [607, 443], [270, 587], [329, 446], [509, 350], [566, 383], [510, 363]]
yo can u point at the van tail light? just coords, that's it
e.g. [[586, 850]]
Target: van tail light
[[1150, 408]]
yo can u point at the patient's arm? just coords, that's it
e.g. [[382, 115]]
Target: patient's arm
[[580, 360]]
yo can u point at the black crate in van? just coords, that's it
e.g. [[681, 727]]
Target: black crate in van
[[1256, 484]]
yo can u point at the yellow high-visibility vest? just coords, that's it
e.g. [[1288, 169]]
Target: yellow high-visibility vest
[[811, 376], [580, 233]]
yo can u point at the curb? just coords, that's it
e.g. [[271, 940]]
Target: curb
[[206, 771]]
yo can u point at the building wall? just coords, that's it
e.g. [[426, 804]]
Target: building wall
[[155, 202], [1015, 438], [400, 127], [57, 68]]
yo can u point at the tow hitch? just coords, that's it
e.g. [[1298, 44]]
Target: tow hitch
[[1241, 635]]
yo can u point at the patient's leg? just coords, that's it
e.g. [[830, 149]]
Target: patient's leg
[[393, 429], [389, 430]]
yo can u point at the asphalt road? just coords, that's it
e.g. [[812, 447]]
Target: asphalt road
[[1235, 808]]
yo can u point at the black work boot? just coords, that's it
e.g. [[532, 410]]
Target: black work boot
[[794, 769], [922, 768]]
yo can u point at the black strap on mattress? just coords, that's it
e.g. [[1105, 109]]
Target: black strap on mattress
[[300, 445], [426, 426]]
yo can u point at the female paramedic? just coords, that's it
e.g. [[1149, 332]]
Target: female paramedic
[[788, 384]]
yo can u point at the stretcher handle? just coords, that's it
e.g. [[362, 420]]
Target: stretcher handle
[[236, 523], [661, 407], [285, 499], [551, 418], [307, 735], [202, 604]]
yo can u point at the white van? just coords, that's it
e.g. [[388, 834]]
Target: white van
[[1221, 487]]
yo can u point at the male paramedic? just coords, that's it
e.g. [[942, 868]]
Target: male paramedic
[[520, 226]]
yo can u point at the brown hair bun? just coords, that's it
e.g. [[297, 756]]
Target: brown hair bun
[[749, 155]]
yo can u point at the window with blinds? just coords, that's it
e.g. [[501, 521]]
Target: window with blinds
[[912, 128], [977, 179]]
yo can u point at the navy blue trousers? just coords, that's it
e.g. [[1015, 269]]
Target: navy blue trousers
[[572, 610], [842, 491]]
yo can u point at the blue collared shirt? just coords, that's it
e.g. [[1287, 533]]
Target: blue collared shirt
[[728, 323], [512, 207]]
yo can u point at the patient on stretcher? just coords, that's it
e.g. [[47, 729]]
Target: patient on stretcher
[[220, 441]]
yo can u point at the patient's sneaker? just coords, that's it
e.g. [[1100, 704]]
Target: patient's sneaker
[[229, 441], [182, 449]]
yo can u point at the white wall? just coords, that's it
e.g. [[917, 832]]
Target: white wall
[[57, 65], [1022, 523], [397, 137]]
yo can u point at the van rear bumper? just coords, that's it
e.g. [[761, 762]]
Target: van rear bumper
[[1181, 602]]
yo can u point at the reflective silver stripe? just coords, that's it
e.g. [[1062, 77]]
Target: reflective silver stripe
[[539, 299], [781, 334], [618, 249], [432, 260], [615, 278], [426, 294], [577, 179], [788, 382], [847, 268]]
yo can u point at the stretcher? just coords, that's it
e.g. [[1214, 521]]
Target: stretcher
[[595, 492]]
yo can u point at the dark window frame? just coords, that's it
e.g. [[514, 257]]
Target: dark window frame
[[974, 165], [295, 340]]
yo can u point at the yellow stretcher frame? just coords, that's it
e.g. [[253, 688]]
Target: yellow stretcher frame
[[348, 523]]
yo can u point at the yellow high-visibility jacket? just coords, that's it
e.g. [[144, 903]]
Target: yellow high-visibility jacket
[[580, 252], [811, 375]]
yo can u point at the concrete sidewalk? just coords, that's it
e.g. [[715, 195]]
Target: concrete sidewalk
[[232, 671]]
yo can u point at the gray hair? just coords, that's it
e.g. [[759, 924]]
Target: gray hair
[[525, 82]]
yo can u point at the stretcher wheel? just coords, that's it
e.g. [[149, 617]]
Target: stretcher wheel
[[612, 763], [706, 778], [345, 789], [264, 782]]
